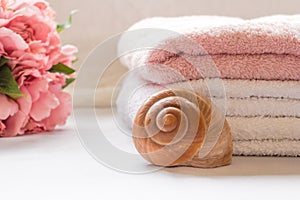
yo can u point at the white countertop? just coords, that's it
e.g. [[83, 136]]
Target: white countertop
[[56, 166]]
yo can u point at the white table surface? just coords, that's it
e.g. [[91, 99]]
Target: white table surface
[[56, 166]]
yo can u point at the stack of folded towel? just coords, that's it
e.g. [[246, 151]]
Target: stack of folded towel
[[258, 62]]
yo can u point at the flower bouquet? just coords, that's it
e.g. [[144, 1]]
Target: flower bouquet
[[34, 68]]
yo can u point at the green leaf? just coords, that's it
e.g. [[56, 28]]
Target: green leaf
[[8, 84], [74, 61], [61, 68], [68, 82], [3, 61], [67, 24]]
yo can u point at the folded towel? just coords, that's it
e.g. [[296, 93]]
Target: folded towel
[[250, 68], [253, 67], [241, 106], [225, 35], [267, 148], [265, 48], [257, 122], [186, 67], [241, 88], [259, 128]]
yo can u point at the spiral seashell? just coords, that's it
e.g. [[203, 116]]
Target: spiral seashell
[[179, 128]]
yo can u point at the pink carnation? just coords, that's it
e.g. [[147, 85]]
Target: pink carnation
[[28, 38]]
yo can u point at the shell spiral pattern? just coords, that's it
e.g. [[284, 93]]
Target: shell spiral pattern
[[171, 129]]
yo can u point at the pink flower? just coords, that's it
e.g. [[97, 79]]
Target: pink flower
[[8, 7], [16, 122], [42, 5], [8, 107], [50, 105], [29, 26], [33, 21], [66, 55], [44, 107], [24, 60], [2, 127], [10, 42], [57, 116], [27, 18], [13, 115], [28, 38]]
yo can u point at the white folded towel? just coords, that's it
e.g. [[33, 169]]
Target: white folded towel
[[264, 116]]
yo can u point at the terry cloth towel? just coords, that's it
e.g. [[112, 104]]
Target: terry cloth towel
[[257, 61]]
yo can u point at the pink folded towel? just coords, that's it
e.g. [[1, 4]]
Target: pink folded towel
[[253, 67], [227, 35], [266, 48], [257, 61]]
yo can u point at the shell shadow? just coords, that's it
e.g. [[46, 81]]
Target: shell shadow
[[246, 166]]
